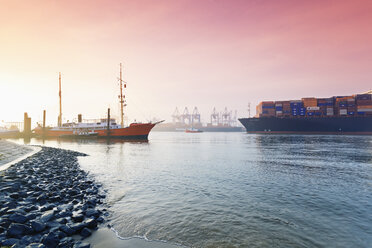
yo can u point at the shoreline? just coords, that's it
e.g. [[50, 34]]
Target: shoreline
[[106, 237], [101, 236], [12, 153], [46, 199]]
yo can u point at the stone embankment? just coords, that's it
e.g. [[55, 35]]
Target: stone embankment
[[46, 200]]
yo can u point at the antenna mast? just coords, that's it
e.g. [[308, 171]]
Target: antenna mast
[[249, 110], [60, 103], [121, 97]]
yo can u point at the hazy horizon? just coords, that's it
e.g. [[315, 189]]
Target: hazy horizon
[[215, 53]]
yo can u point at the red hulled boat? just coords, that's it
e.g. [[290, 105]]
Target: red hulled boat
[[103, 128]]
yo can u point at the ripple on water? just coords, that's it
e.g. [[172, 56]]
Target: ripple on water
[[238, 190]]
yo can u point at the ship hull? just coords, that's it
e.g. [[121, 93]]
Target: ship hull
[[309, 125], [133, 132], [137, 131]]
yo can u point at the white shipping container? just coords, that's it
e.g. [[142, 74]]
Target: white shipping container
[[365, 110], [343, 111], [351, 100], [329, 113], [278, 105], [279, 112], [313, 108]]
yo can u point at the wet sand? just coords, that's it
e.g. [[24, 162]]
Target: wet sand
[[105, 237]]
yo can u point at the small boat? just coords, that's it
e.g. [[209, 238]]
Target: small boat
[[193, 130]]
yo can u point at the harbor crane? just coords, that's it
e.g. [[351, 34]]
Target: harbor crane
[[195, 118]]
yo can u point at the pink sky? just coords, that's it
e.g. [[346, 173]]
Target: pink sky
[[179, 53]]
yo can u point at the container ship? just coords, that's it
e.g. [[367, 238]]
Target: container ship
[[333, 115], [102, 128]]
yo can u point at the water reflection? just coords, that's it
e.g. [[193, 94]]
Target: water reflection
[[237, 190]]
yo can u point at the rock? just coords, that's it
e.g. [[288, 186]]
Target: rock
[[47, 207], [85, 232], [31, 216], [5, 222], [53, 224], [18, 218], [66, 229], [50, 193], [91, 223], [16, 230], [9, 242], [66, 243], [47, 216], [62, 220], [77, 217], [65, 213], [92, 212], [51, 240], [81, 245], [29, 239], [77, 227], [35, 245], [41, 199], [14, 195], [37, 226]]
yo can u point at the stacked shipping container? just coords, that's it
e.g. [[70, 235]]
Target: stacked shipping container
[[364, 104], [356, 105]]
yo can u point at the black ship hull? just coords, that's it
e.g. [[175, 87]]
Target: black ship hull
[[309, 125]]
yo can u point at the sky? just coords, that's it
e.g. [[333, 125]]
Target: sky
[[178, 53]]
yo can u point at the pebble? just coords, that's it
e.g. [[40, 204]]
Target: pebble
[[46, 199]]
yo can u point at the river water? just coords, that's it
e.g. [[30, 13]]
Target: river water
[[236, 189]]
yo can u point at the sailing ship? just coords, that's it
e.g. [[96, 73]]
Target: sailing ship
[[102, 128]]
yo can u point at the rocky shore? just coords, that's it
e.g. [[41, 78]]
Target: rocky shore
[[46, 200]]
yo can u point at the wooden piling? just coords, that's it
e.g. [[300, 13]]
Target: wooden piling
[[26, 125], [108, 122]]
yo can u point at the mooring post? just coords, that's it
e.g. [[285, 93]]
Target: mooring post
[[44, 118], [108, 122], [26, 125]]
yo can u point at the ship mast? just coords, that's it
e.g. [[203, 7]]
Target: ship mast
[[121, 97], [60, 103]]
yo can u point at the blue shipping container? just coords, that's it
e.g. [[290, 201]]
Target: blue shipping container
[[296, 105], [268, 107], [351, 113], [279, 108], [361, 113]]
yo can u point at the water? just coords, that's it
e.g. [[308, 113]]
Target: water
[[237, 190]]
